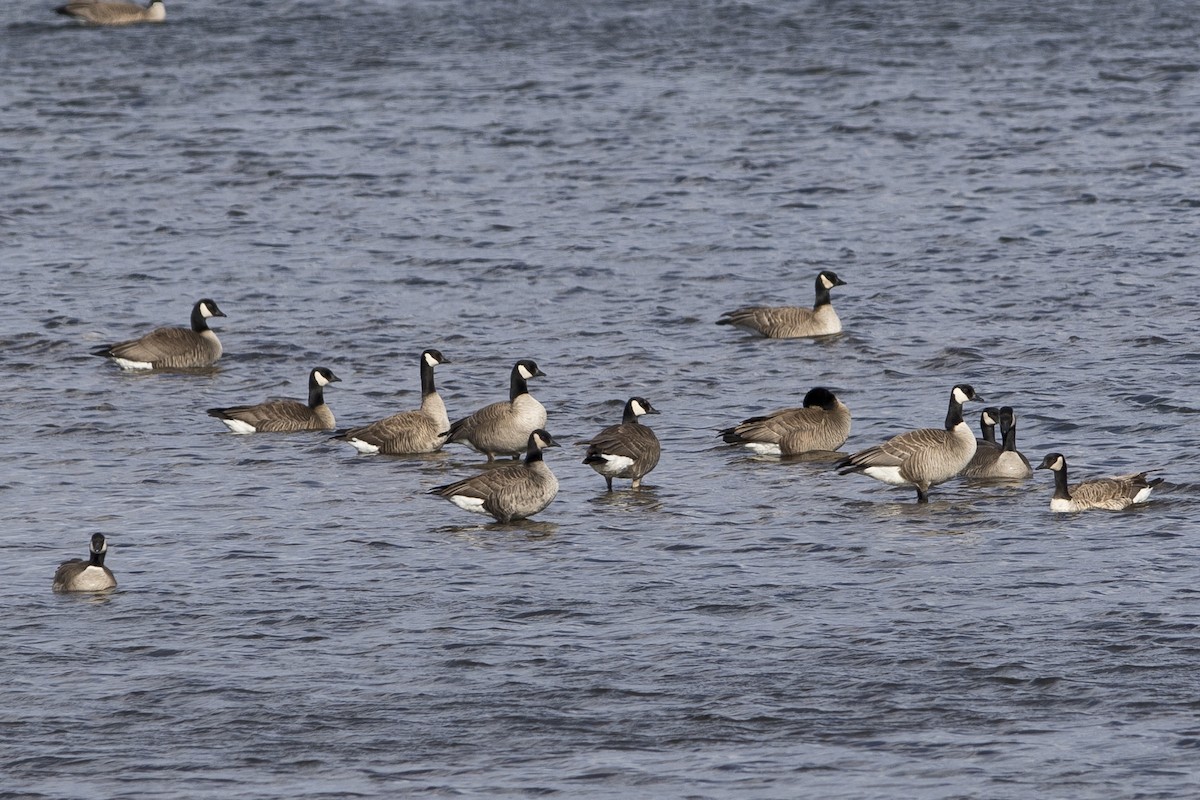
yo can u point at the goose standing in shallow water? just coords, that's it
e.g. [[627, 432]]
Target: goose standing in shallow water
[[920, 458], [409, 432], [822, 424], [284, 416], [627, 450], [791, 322], [1002, 460], [1109, 494], [502, 429], [78, 575], [113, 12], [171, 348], [510, 492]]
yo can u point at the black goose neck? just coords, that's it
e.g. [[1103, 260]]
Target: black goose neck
[[822, 294], [316, 393], [97, 559], [517, 385], [533, 454], [629, 415], [1060, 483], [427, 386], [953, 414], [1010, 438], [199, 321]]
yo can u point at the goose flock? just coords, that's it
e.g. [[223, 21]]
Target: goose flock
[[919, 459]]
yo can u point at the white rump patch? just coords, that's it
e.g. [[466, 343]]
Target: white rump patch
[[467, 503], [364, 447], [239, 427], [765, 449], [1143, 495], [890, 475], [613, 465], [125, 363]]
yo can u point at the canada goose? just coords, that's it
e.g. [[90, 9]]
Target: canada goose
[[987, 449], [789, 322], [112, 12], [920, 458], [171, 348], [78, 575], [514, 491], [822, 423], [503, 428], [284, 416], [420, 431], [628, 450], [1000, 460], [1110, 494]]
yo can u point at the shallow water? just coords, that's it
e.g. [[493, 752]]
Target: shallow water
[[1009, 194]]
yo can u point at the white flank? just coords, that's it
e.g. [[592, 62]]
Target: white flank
[[468, 503], [364, 447], [765, 449], [125, 363], [887, 475], [239, 427]]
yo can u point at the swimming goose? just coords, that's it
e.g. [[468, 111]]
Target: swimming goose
[[171, 348], [503, 428], [514, 491], [1110, 494], [789, 322], [284, 416], [920, 458], [1003, 460], [420, 431], [113, 12], [628, 450], [822, 423], [78, 575]]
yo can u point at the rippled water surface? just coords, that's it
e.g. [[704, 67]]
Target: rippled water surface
[[1010, 192]]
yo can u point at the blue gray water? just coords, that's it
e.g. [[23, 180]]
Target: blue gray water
[[1010, 191]]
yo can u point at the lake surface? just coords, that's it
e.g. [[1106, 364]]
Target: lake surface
[[1010, 192]]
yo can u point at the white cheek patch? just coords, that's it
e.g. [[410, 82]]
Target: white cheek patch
[[523, 372], [1057, 465], [239, 427], [430, 360], [828, 284], [205, 311], [638, 409], [987, 419], [961, 397], [322, 380], [474, 504]]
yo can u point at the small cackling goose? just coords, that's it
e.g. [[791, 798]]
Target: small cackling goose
[[409, 432], [1000, 460], [78, 575], [823, 423], [1110, 494], [513, 491], [790, 322], [502, 429], [920, 458], [628, 450], [284, 416], [171, 348], [113, 12]]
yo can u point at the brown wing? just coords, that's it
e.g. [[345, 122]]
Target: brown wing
[[279, 416], [104, 13], [166, 345], [407, 432], [770, 320], [630, 440]]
